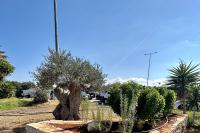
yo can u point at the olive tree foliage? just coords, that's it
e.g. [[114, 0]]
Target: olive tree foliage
[[63, 66], [71, 74], [2, 55]]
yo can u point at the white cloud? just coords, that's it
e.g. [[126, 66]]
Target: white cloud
[[157, 82], [189, 43]]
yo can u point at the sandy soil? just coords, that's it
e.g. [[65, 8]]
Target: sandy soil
[[14, 120]]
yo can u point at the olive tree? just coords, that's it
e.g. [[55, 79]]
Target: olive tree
[[2, 55], [70, 75]]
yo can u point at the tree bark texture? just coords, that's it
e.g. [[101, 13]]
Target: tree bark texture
[[69, 98]]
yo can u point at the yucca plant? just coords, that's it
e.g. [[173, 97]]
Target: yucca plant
[[182, 77]]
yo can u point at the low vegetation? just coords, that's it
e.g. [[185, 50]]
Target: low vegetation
[[151, 104], [190, 115], [128, 110], [40, 96], [12, 103]]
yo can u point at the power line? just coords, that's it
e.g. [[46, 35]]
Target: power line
[[149, 54]]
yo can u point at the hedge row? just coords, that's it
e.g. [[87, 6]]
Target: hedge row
[[152, 102]]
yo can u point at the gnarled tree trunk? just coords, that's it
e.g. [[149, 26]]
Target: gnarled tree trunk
[[69, 98]]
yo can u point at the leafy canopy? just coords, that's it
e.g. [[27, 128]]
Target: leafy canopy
[[2, 55], [5, 68], [62, 67]]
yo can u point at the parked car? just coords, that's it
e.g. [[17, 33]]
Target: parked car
[[29, 93], [85, 95], [179, 104]]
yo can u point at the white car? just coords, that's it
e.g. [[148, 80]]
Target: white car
[[29, 93], [84, 94]]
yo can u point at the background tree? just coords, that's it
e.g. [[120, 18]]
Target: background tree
[[2, 55], [27, 85], [181, 77], [20, 86], [194, 97], [193, 100], [5, 68], [70, 75], [6, 90]]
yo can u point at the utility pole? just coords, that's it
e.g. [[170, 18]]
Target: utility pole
[[56, 25], [149, 54]]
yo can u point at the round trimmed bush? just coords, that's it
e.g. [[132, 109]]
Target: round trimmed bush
[[150, 105], [127, 89], [40, 96], [170, 99]]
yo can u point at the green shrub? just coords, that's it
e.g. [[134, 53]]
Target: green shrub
[[12, 103], [40, 96], [150, 105], [126, 88], [6, 90], [170, 99], [18, 93], [114, 99], [127, 112]]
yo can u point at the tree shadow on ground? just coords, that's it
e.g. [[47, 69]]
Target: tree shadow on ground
[[19, 130]]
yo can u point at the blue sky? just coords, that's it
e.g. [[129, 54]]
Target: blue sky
[[112, 33]]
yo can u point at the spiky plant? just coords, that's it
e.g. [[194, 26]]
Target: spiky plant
[[183, 76]]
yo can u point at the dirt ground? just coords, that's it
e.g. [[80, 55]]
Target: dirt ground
[[14, 120]]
